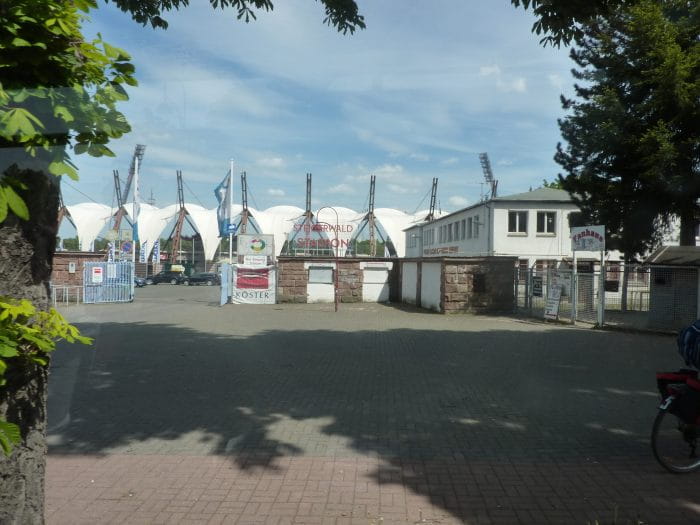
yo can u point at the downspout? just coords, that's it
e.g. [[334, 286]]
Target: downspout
[[489, 247]]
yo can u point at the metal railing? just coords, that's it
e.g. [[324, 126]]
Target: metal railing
[[646, 297], [66, 294]]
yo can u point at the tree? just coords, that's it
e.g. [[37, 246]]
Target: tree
[[555, 184], [561, 21], [58, 95], [632, 154]]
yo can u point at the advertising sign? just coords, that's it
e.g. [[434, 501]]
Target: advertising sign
[[155, 257], [110, 252], [253, 285], [97, 276], [551, 307], [588, 238], [256, 245], [537, 286]]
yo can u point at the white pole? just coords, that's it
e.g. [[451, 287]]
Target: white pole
[[135, 218], [574, 290], [601, 289], [230, 213]]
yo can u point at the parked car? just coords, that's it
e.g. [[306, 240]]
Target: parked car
[[140, 282], [209, 279], [165, 277]]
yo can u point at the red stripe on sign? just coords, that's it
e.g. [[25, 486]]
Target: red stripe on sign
[[253, 279]]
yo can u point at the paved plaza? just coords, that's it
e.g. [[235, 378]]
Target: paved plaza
[[187, 412]]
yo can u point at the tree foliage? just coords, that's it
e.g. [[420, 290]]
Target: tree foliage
[[341, 14], [632, 153]]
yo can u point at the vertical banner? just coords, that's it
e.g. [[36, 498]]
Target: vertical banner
[[110, 252], [155, 258], [143, 252]]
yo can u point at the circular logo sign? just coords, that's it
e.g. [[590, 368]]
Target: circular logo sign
[[257, 245]]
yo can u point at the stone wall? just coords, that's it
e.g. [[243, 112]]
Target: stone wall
[[292, 280], [349, 281], [474, 284], [478, 285], [60, 275]]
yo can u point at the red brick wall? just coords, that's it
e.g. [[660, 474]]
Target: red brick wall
[[60, 275]]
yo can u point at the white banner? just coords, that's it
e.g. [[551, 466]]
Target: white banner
[[253, 285], [143, 252], [155, 258], [588, 238]]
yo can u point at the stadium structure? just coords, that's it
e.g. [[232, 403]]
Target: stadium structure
[[331, 230]]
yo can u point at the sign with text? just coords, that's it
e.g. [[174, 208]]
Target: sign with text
[[253, 285], [256, 245], [588, 238], [551, 307], [255, 260], [96, 275], [537, 286]]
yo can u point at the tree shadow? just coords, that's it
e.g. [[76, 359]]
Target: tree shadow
[[467, 419]]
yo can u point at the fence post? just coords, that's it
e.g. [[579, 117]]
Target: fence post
[[601, 295]]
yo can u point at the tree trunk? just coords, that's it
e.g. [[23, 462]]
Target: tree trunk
[[625, 283], [26, 254], [689, 224]]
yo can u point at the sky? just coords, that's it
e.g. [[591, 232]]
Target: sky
[[418, 94]]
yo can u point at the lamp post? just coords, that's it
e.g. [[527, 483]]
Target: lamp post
[[337, 243]]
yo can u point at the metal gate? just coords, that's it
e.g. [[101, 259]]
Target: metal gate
[[108, 282]]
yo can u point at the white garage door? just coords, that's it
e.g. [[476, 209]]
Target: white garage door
[[375, 285]]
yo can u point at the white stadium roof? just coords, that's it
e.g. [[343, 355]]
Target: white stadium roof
[[91, 219]]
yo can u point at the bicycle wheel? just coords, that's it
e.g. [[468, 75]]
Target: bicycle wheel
[[674, 443]]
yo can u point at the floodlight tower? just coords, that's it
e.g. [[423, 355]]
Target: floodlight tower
[[488, 175], [433, 199], [245, 214], [370, 218], [122, 196]]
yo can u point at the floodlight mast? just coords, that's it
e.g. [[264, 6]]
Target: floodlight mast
[[433, 198], [244, 203], [370, 218], [488, 175], [176, 235]]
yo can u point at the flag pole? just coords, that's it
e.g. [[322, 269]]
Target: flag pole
[[230, 213], [136, 211]]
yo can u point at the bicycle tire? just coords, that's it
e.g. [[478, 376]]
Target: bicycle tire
[[669, 444]]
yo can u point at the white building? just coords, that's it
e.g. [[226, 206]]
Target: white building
[[533, 226]]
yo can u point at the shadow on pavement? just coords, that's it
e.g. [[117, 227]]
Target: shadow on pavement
[[469, 419]]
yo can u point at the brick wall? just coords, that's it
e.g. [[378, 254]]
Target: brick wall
[[60, 275]]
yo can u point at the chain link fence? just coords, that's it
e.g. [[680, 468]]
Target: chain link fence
[[645, 297]]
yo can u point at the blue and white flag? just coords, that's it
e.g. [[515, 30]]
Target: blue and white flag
[[155, 258], [110, 252], [143, 252], [223, 212]]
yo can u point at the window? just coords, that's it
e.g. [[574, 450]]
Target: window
[[457, 231], [463, 228], [469, 228], [476, 226], [546, 222], [517, 222], [449, 232], [321, 275]]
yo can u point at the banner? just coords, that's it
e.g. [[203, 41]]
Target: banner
[[155, 258], [110, 252], [253, 285], [143, 252], [256, 245], [223, 211]]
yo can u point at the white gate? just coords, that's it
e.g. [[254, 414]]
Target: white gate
[[108, 282]]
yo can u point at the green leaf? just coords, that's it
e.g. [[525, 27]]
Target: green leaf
[[63, 168], [3, 206], [20, 42], [20, 121], [15, 202], [62, 111], [8, 351], [9, 435], [80, 148]]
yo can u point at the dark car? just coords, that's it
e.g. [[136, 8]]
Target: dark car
[[140, 282], [209, 279], [165, 277]]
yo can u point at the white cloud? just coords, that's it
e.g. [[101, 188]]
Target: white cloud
[[419, 156], [485, 71], [519, 85], [271, 162], [451, 161], [556, 80], [505, 162], [341, 188], [458, 201], [275, 192]]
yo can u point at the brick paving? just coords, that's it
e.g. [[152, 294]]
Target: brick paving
[[184, 412]]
